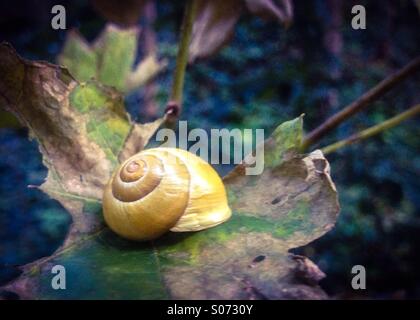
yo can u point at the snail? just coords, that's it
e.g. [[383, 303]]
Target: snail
[[164, 189]]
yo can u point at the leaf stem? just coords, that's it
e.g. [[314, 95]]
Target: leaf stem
[[362, 102], [390, 123], [174, 106]]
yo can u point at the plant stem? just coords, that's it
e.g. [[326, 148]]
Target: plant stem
[[413, 111], [362, 102], [175, 103]]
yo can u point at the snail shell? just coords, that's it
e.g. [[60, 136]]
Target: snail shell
[[164, 189]]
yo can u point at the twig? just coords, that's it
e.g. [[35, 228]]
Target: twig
[[413, 111], [173, 108], [362, 102]]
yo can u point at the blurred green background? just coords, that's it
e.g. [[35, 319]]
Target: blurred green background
[[265, 76]]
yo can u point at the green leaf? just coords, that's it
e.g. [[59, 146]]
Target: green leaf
[[116, 51], [290, 204], [110, 59], [285, 142], [78, 57]]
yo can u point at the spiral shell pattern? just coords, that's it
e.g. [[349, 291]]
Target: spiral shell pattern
[[164, 189]]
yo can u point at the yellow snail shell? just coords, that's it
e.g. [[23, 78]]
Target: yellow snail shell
[[164, 189]]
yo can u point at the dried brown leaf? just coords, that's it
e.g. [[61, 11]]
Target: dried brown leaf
[[213, 26], [81, 128], [281, 10], [124, 13]]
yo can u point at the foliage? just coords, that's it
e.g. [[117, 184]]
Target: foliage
[[110, 59], [265, 76], [84, 131]]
